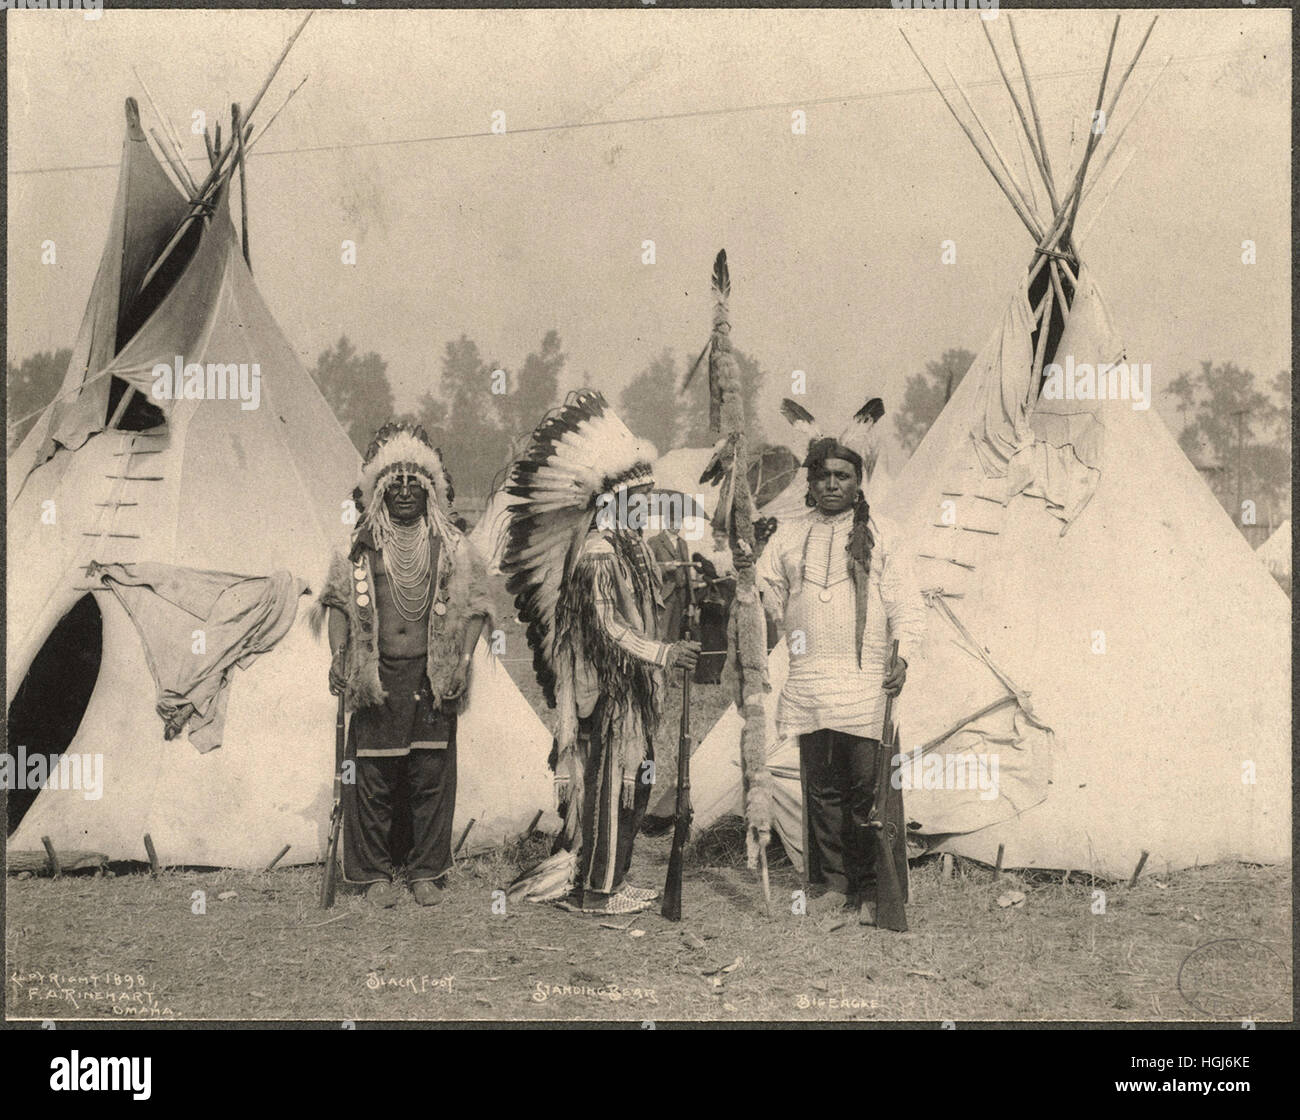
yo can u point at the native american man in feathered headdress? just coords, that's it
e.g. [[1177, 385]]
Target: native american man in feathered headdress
[[408, 605], [585, 585], [840, 584]]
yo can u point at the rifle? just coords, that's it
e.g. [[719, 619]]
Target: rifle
[[336, 815], [672, 903], [885, 828]]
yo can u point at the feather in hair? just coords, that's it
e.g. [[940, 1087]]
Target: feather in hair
[[801, 420]]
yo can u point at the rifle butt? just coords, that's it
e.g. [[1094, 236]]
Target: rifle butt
[[891, 913], [671, 908], [327, 883]]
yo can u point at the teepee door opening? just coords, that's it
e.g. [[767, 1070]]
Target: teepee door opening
[[48, 706]]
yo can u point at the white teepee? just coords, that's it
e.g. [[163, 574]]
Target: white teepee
[[1106, 668], [214, 487], [1276, 551]]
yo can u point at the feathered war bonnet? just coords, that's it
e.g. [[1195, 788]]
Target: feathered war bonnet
[[403, 449], [580, 451]]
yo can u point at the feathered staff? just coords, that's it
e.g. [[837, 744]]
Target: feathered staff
[[733, 521]]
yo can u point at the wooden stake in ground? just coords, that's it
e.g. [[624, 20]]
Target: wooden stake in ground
[[283, 851], [463, 836], [153, 855], [1142, 862], [53, 857]]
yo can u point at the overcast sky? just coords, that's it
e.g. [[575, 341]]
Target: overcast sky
[[833, 236]]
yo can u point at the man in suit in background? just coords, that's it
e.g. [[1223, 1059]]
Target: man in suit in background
[[673, 559]]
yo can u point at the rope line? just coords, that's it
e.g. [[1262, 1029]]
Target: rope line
[[690, 114]]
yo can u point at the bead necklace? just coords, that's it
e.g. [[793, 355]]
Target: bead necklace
[[408, 561]]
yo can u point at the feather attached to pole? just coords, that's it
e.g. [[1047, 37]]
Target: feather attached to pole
[[747, 630]]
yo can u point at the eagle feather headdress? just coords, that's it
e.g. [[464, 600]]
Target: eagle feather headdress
[[404, 449], [577, 453]]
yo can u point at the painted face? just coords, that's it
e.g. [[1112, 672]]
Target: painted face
[[834, 485], [406, 498]]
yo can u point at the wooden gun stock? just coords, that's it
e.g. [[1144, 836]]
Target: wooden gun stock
[[886, 832], [672, 903], [336, 815]]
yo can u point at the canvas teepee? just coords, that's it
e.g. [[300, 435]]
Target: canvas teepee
[[1276, 551], [1106, 667], [202, 485]]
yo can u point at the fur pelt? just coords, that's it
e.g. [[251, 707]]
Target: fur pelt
[[747, 626], [461, 586]]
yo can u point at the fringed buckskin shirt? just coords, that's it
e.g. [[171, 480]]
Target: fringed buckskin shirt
[[804, 577]]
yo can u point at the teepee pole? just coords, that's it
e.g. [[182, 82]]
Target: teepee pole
[[1060, 226], [269, 123], [1029, 175], [187, 181], [235, 127], [1024, 123], [1119, 88], [214, 176], [971, 137], [1105, 158], [1094, 136], [1044, 329], [1055, 271], [118, 412], [1054, 235], [1095, 213], [1029, 217], [1033, 108]]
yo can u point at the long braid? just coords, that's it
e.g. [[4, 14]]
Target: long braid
[[860, 539]]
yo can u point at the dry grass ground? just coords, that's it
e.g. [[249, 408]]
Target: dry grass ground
[[269, 953], [132, 945]]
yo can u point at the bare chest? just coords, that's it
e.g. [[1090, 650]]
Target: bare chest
[[403, 614]]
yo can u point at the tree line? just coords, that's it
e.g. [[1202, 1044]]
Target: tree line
[[1235, 427], [482, 411]]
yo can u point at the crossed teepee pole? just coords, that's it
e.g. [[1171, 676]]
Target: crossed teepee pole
[[1056, 245]]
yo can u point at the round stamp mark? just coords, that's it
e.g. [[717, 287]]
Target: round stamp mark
[[1234, 978]]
